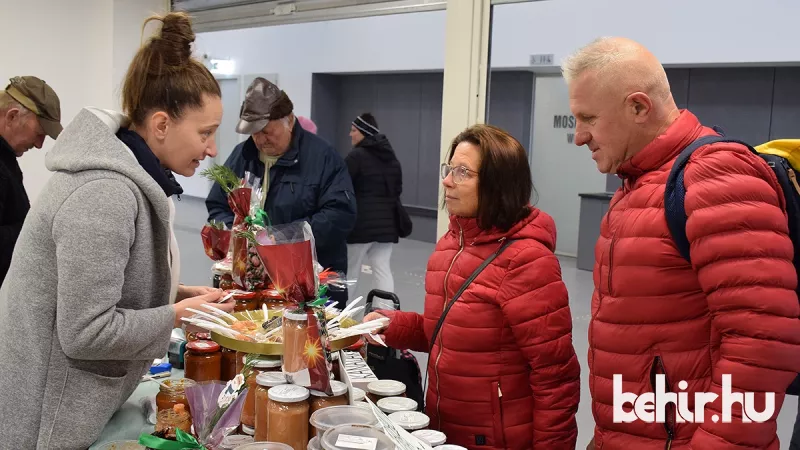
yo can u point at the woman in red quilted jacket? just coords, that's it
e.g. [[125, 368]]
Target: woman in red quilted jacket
[[502, 372]]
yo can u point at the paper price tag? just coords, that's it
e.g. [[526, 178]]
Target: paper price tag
[[358, 442]]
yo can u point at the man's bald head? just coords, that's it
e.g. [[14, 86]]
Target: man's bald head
[[620, 96]]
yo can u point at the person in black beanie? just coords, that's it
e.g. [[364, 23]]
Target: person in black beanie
[[378, 183]]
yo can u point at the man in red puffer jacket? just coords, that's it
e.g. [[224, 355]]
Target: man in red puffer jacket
[[733, 311]]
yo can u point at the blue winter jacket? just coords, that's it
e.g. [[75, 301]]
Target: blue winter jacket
[[309, 182]]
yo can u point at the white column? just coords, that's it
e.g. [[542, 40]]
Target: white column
[[465, 74]]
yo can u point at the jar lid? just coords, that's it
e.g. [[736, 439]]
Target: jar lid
[[235, 440], [358, 394], [271, 379], [430, 437], [248, 430], [203, 346], [203, 336], [337, 387], [396, 404], [288, 393], [175, 385], [410, 420], [387, 388], [264, 362], [346, 436], [327, 418], [300, 317]]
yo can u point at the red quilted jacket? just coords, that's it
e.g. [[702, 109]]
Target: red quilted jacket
[[733, 311], [503, 372]]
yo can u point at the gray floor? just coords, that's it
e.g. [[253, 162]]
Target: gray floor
[[409, 259]]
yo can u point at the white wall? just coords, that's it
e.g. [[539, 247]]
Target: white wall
[[77, 47]]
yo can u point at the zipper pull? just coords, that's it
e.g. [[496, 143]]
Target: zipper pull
[[291, 185]]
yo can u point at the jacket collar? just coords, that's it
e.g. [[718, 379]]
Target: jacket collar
[[7, 153], [664, 148], [473, 234], [149, 162], [290, 158]]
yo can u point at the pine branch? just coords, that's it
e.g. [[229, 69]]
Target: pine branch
[[224, 176]]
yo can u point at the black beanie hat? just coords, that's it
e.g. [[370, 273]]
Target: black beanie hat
[[366, 124]]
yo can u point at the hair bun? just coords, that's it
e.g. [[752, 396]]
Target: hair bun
[[174, 42]]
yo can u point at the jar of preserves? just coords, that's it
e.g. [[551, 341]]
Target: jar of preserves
[[295, 334], [265, 381], [430, 437], [288, 416], [260, 366], [272, 298], [245, 301], [320, 400], [391, 405], [228, 364], [192, 336], [172, 392], [170, 420], [203, 361], [385, 388]]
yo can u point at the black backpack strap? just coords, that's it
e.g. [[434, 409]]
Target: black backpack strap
[[464, 286], [675, 192]]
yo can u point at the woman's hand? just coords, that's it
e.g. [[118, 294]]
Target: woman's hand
[[185, 292], [197, 303], [375, 316]]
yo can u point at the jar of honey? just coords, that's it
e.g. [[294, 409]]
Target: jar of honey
[[260, 366], [172, 392], [295, 334], [170, 420], [266, 381], [385, 388], [245, 301], [320, 400], [288, 416], [228, 364], [203, 361]]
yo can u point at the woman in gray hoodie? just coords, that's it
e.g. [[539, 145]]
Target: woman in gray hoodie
[[92, 293]]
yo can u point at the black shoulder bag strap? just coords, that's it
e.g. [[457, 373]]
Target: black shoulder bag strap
[[464, 286]]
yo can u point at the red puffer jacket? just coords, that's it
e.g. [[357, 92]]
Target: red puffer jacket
[[503, 372], [733, 311]]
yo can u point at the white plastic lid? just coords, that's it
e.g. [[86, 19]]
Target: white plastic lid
[[314, 444], [431, 437], [358, 395], [302, 317], [236, 440], [335, 435], [391, 405], [264, 446], [248, 431], [338, 388], [387, 388], [450, 447], [264, 363], [271, 379], [288, 393], [410, 420], [333, 416]]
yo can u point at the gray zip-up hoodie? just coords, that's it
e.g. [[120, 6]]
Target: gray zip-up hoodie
[[84, 308]]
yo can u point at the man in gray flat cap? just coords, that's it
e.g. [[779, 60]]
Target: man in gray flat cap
[[303, 176], [29, 111]]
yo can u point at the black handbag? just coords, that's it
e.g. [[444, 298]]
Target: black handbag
[[392, 364]]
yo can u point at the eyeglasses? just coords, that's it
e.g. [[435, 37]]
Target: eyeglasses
[[460, 173]]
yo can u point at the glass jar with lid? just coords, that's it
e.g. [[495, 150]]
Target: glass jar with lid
[[385, 388], [245, 301], [295, 334], [170, 420], [172, 392], [288, 416], [430, 437], [228, 370], [261, 365], [265, 381], [203, 361], [272, 298], [391, 405], [320, 400], [410, 420]]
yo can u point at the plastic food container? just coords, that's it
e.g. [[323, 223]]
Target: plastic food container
[[123, 445], [320, 400], [430, 437], [410, 420], [314, 444], [235, 441], [328, 418], [355, 434], [385, 388], [264, 446], [391, 405]]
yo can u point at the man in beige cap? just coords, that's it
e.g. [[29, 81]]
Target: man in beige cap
[[29, 111]]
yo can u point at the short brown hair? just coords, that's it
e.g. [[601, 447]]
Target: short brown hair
[[163, 76], [504, 177]]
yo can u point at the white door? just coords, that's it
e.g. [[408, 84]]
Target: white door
[[227, 137]]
